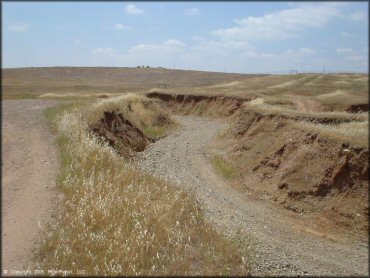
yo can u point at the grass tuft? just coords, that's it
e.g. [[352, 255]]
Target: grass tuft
[[222, 167], [155, 132]]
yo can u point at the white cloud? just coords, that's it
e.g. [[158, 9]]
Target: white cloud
[[197, 38], [174, 43], [105, 52], [120, 27], [345, 34], [343, 50], [281, 24], [132, 9], [220, 47], [306, 50], [171, 45], [355, 58], [18, 27], [357, 16], [254, 55], [191, 11], [77, 41]]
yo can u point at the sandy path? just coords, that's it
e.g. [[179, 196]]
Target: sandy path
[[283, 246], [29, 168]]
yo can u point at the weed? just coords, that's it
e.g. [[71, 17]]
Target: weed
[[155, 132], [222, 167]]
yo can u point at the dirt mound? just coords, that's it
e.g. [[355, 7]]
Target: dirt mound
[[121, 133], [199, 104], [358, 108]]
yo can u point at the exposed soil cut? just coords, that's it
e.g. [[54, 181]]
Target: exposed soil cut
[[121, 134], [358, 108], [223, 106], [200, 105], [302, 171]]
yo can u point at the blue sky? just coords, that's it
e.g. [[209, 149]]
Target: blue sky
[[246, 37]]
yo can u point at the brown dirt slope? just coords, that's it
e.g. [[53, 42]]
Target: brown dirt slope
[[307, 172], [120, 133], [302, 170], [200, 104]]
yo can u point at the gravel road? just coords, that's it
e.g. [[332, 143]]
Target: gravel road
[[29, 169], [282, 246]]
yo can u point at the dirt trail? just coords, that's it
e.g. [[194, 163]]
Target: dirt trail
[[29, 168], [283, 246]]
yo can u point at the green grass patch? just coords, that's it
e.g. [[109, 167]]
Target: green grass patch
[[222, 167], [155, 132]]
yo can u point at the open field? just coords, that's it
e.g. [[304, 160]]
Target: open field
[[261, 174], [33, 82]]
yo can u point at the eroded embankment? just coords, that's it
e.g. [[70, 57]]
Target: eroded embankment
[[305, 171], [302, 170], [133, 126], [283, 247], [357, 108], [199, 104], [120, 133]]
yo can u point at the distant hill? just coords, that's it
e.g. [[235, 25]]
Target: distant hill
[[141, 78]]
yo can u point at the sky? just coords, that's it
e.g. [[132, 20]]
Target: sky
[[245, 37]]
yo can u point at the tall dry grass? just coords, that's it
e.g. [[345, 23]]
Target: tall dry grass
[[118, 221], [356, 133], [259, 104]]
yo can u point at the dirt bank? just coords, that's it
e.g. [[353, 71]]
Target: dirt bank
[[200, 104], [120, 134], [29, 169], [284, 247], [301, 170]]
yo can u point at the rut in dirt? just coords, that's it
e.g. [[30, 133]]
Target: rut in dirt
[[281, 248]]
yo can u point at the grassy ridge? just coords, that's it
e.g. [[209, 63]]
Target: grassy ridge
[[118, 221]]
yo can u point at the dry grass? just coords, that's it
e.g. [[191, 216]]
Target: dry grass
[[33, 82], [76, 95], [150, 115], [118, 221], [356, 133], [260, 105]]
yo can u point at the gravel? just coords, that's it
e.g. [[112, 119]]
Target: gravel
[[281, 246]]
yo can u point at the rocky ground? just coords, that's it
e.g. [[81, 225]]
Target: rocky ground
[[282, 246]]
